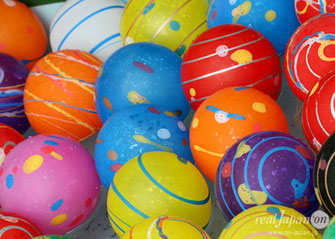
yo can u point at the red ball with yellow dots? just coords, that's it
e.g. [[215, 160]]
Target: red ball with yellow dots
[[310, 54], [13, 226], [227, 116], [9, 138], [59, 95], [318, 116], [230, 55], [306, 9], [22, 34]]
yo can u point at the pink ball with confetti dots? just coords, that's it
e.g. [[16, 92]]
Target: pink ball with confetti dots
[[50, 180]]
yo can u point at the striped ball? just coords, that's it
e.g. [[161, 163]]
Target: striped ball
[[270, 221], [230, 55], [324, 171], [59, 95], [305, 10], [154, 184], [269, 167], [171, 227], [13, 75], [309, 54], [318, 116], [15, 226], [91, 26], [171, 23], [9, 138]]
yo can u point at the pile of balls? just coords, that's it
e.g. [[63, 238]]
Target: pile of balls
[[175, 92]]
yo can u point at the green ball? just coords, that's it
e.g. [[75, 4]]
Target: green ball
[[330, 230], [32, 3], [51, 237]]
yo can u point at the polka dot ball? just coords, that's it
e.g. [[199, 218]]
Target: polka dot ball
[[50, 180]]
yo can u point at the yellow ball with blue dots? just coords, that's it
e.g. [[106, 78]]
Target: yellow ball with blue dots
[[171, 227], [171, 23], [270, 221], [154, 184]]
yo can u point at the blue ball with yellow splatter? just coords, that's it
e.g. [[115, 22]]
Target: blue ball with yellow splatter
[[141, 73], [136, 130], [268, 167], [276, 20]]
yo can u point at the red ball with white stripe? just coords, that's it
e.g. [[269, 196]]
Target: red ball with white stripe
[[318, 116], [15, 226], [230, 55]]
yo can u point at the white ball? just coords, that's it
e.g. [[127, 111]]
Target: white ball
[[87, 25]]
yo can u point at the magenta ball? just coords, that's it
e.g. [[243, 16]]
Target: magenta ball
[[50, 180]]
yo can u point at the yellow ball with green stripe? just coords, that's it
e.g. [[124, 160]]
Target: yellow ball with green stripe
[[270, 221], [171, 23], [171, 227], [154, 184]]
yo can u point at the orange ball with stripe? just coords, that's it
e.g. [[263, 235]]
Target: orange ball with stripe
[[22, 34], [227, 116], [59, 95]]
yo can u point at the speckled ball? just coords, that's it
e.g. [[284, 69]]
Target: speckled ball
[[171, 23], [138, 129], [52, 181], [269, 167], [13, 75], [227, 116], [324, 179], [276, 20], [141, 73]]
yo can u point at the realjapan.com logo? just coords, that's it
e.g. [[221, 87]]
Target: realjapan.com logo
[[318, 219]]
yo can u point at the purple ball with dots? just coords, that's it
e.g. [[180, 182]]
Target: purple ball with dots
[[269, 167], [13, 75]]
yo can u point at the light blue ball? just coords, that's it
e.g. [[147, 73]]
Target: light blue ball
[[136, 130], [141, 73], [281, 24]]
